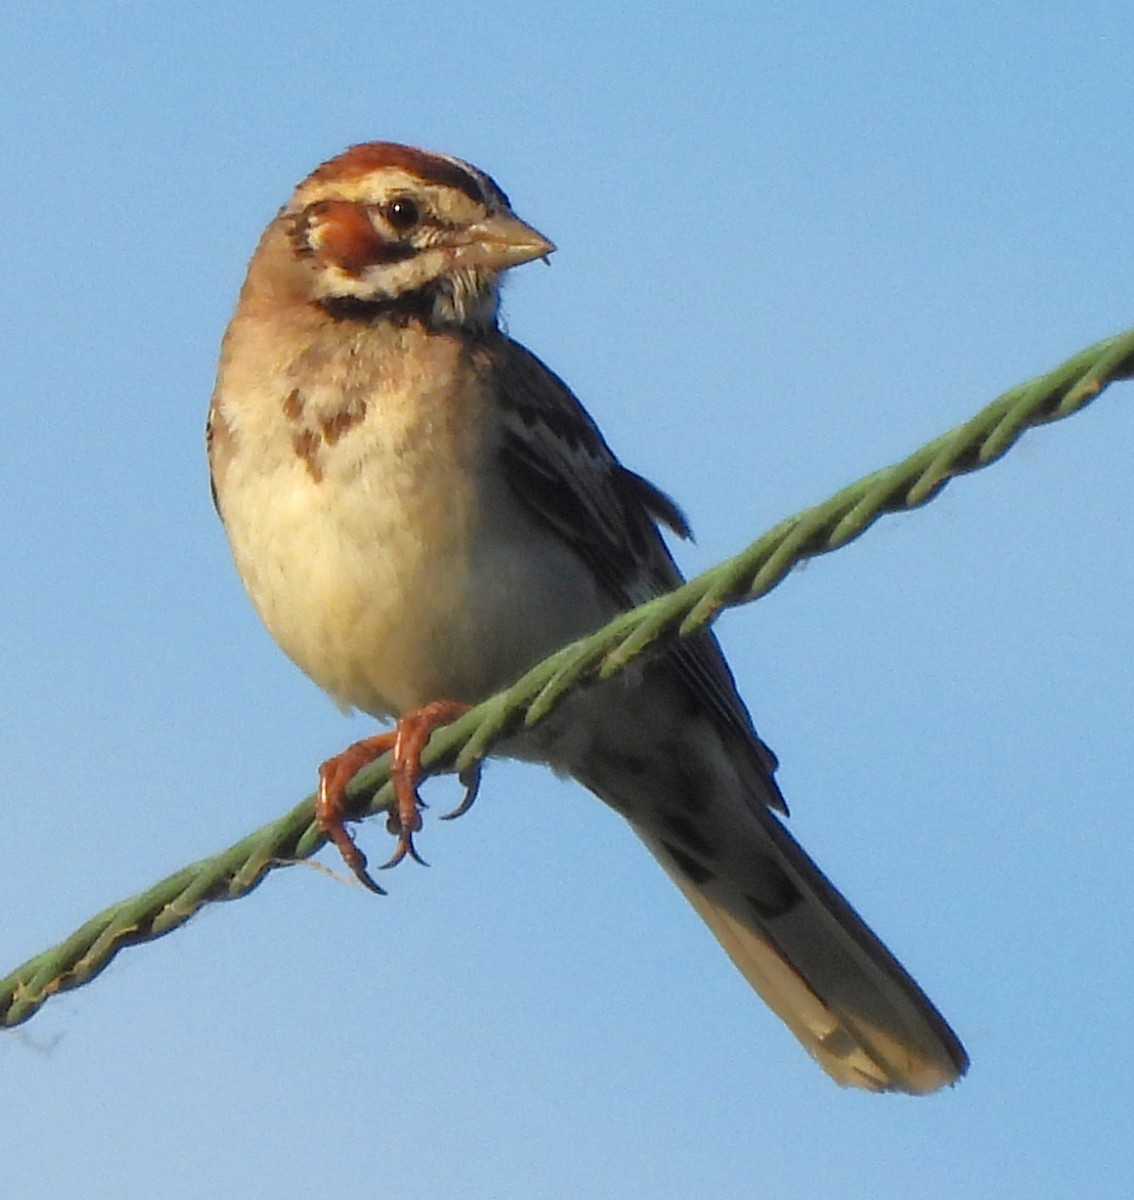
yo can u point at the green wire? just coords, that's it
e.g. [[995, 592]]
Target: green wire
[[749, 575]]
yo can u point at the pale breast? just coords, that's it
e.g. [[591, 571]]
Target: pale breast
[[376, 537]]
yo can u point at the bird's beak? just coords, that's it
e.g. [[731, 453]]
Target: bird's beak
[[499, 242]]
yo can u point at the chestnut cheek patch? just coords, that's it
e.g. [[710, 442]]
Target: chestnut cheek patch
[[342, 234]]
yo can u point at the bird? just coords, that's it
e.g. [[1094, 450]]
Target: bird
[[420, 510]]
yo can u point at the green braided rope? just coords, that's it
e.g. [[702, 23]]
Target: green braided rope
[[751, 574]]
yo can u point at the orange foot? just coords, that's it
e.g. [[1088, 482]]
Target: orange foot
[[407, 740]]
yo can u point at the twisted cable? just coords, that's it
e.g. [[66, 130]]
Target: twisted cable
[[753, 573]]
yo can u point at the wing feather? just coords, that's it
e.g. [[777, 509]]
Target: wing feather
[[558, 462]]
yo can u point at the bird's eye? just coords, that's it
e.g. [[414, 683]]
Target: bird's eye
[[403, 214]]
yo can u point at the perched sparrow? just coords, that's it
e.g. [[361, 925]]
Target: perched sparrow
[[421, 510]]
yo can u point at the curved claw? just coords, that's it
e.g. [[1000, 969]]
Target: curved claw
[[404, 849], [404, 833], [352, 856], [470, 777], [356, 860]]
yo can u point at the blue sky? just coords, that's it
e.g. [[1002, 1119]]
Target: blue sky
[[796, 241]]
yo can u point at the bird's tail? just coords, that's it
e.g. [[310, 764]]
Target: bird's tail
[[807, 952], [702, 798]]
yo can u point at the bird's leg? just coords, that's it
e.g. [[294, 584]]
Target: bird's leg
[[407, 741], [331, 808], [411, 736]]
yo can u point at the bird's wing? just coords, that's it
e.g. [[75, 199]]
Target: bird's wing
[[558, 462]]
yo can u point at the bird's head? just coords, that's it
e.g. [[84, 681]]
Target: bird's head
[[388, 228]]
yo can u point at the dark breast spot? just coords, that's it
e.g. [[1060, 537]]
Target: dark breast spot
[[312, 434], [293, 405], [334, 427], [306, 444]]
